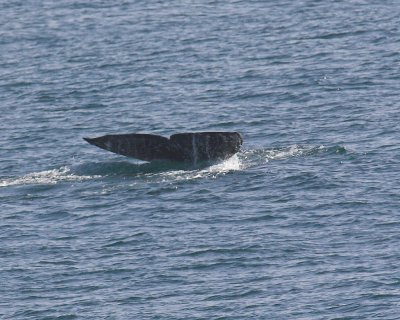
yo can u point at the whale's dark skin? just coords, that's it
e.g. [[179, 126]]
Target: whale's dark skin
[[192, 147]]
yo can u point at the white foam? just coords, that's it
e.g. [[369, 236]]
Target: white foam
[[231, 164], [45, 177], [258, 156], [293, 151]]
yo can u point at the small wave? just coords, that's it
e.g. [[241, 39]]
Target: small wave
[[45, 177]]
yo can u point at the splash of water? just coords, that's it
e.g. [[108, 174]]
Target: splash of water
[[254, 157], [45, 177], [229, 165]]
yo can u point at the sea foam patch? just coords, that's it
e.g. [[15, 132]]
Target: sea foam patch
[[45, 177]]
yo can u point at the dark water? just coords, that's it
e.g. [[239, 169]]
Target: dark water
[[302, 224]]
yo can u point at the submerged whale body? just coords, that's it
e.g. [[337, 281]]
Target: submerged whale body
[[183, 147]]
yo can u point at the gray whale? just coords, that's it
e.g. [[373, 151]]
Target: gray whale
[[191, 147]]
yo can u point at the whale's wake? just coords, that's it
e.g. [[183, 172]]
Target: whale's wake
[[46, 177], [167, 171]]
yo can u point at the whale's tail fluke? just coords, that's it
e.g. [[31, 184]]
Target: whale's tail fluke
[[185, 147]]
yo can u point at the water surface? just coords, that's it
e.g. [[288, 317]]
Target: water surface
[[301, 224]]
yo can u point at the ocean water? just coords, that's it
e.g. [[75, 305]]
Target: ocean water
[[303, 223]]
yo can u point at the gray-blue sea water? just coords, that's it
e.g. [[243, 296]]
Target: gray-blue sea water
[[303, 223]]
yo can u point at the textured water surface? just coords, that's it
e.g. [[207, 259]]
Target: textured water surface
[[303, 223]]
